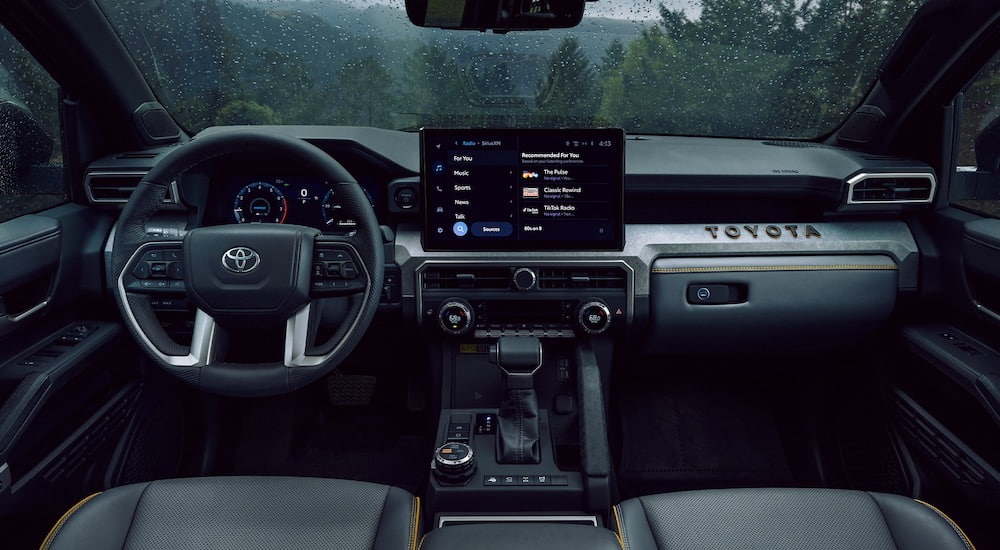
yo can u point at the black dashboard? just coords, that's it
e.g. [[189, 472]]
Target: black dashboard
[[702, 236]]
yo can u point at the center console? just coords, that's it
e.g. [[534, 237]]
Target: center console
[[524, 336]]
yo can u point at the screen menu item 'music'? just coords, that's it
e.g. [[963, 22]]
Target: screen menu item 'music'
[[523, 189]]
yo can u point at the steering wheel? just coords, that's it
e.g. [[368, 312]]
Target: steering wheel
[[242, 277]]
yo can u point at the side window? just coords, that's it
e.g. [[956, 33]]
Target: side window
[[31, 176], [976, 185]]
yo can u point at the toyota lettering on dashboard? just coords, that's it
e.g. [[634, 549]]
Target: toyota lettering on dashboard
[[505, 189]]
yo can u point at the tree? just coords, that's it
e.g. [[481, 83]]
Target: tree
[[367, 98], [568, 95], [432, 92]]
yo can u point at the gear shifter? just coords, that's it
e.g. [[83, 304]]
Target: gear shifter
[[517, 421]]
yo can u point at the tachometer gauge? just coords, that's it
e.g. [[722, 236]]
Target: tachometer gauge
[[260, 202], [334, 215]]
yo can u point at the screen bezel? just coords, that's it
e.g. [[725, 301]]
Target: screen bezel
[[615, 243]]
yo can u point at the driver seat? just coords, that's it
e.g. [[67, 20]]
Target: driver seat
[[240, 513]]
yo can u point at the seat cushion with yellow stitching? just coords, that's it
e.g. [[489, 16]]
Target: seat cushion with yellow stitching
[[779, 519], [242, 513]]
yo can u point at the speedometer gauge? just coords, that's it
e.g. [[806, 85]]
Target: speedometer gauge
[[260, 202]]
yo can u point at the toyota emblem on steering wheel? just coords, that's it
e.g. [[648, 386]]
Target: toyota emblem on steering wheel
[[240, 259]]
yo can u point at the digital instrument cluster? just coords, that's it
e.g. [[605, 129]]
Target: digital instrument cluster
[[298, 200]]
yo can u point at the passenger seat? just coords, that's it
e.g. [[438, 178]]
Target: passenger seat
[[780, 519]]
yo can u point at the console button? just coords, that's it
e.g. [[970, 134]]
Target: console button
[[525, 279]]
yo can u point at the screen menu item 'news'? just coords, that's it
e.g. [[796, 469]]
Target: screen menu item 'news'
[[523, 189]]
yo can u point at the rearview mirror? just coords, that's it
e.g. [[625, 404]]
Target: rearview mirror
[[497, 15]]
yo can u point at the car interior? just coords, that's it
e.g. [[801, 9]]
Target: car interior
[[504, 274]]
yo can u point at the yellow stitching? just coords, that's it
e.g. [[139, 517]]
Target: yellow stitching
[[416, 524], [961, 533], [47, 543], [619, 533], [738, 268]]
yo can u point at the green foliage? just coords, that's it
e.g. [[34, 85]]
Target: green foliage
[[764, 68], [431, 92], [567, 96], [368, 98]]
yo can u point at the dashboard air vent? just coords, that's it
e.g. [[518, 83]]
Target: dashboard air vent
[[117, 187], [915, 188], [581, 277], [483, 278]]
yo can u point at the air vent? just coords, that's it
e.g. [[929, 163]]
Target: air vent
[[138, 155], [581, 277], [483, 278], [117, 187], [902, 188]]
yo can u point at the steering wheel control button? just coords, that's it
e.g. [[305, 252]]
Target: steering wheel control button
[[141, 270], [158, 269], [455, 316], [525, 279], [593, 317], [454, 462], [349, 270]]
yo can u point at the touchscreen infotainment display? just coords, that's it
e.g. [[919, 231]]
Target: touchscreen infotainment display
[[523, 189]]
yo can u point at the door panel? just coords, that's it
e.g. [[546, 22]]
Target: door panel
[[29, 254], [69, 375]]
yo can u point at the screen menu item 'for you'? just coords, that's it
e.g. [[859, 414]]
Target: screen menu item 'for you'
[[523, 189]]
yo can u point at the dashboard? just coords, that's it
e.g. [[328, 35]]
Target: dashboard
[[704, 240]]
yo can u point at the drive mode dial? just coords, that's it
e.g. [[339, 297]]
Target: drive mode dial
[[455, 316], [593, 317]]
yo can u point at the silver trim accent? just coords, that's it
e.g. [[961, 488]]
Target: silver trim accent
[[29, 312], [443, 521], [297, 328], [986, 311], [202, 350], [170, 198], [855, 180]]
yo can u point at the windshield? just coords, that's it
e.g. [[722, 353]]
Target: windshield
[[740, 68]]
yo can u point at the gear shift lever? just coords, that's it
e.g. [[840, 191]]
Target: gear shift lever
[[517, 421]]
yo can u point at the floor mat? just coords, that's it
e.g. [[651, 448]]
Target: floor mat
[[690, 435]]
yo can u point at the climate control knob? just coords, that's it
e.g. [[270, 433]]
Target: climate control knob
[[455, 316], [593, 317]]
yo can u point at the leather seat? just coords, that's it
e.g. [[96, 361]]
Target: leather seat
[[242, 513], [777, 519]]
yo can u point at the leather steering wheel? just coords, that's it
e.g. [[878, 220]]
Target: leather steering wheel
[[243, 276]]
